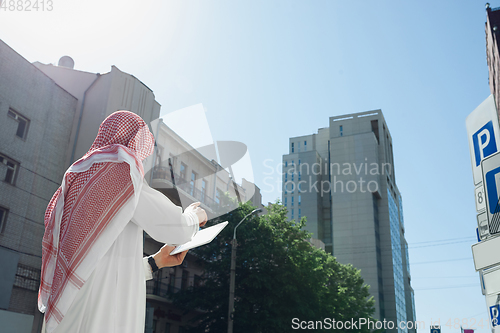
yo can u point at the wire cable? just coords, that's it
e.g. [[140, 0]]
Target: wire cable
[[450, 287]]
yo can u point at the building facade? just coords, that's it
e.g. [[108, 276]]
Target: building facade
[[99, 95], [34, 111], [492, 30], [342, 180], [185, 175]]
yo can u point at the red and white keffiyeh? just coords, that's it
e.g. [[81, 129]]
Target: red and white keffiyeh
[[77, 220]]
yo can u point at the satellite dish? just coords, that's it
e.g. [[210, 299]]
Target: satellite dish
[[66, 61]]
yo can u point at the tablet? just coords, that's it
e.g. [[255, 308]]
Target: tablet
[[202, 237]]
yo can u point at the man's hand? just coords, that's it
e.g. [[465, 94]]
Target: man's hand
[[200, 212], [164, 259]]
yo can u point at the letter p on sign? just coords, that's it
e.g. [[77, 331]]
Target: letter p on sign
[[484, 142]]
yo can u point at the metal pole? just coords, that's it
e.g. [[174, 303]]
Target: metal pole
[[232, 279], [231, 287]]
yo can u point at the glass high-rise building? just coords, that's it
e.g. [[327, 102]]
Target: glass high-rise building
[[342, 180]]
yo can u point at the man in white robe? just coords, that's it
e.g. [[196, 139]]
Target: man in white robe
[[93, 272]]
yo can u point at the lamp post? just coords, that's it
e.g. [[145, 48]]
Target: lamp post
[[233, 273]]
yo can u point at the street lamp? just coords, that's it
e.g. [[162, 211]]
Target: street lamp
[[233, 273]]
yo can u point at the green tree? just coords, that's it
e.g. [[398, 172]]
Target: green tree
[[279, 276]]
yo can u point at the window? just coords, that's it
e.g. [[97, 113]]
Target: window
[[341, 130], [22, 123], [305, 145], [286, 201], [299, 200], [375, 129], [185, 277], [299, 175], [27, 277], [10, 167], [218, 194], [171, 280], [299, 213], [3, 218], [203, 190], [193, 182], [197, 280], [172, 160], [159, 154], [292, 148], [286, 163], [292, 200], [292, 213], [183, 170]]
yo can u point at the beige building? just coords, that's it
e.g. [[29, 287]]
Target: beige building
[[185, 175]]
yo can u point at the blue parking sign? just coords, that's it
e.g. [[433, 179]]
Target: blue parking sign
[[491, 173], [483, 131], [494, 312]]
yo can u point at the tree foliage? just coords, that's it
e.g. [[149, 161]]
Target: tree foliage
[[279, 276]]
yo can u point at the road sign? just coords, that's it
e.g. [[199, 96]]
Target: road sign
[[491, 176], [484, 135], [482, 226], [485, 253], [480, 200]]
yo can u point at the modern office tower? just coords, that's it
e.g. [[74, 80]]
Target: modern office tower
[[342, 180]]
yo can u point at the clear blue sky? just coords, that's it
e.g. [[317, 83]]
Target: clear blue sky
[[270, 70]]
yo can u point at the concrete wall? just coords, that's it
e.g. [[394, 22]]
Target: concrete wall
[[13, 322], [41, 155]]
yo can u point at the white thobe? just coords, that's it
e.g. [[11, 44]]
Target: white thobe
[[113, 299]]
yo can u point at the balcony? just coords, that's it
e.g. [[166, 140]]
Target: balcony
[[160, 289], [183, 186]]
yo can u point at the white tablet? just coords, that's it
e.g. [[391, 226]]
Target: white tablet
[[202, 237]]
